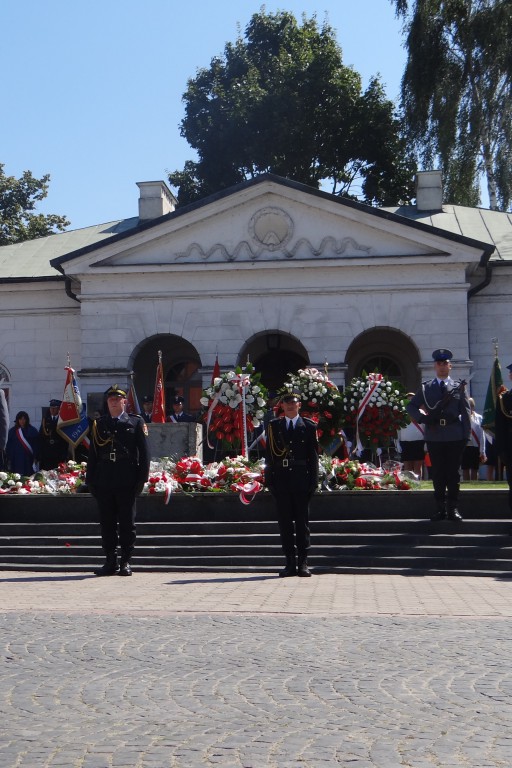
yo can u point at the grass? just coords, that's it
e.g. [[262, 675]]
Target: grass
[[472, 485]]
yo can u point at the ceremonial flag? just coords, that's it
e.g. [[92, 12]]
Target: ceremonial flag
[[73, 424], [495, 382], [158, 415], [216, 369], [132, 403]]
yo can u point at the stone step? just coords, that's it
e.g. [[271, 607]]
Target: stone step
[[352, 531]]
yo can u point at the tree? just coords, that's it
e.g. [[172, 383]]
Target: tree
[[280, 100], [457, 93], [18, 198]]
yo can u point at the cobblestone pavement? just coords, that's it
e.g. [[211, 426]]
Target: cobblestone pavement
[[247, 671]]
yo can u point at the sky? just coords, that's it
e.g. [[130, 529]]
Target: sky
[[92, 91]]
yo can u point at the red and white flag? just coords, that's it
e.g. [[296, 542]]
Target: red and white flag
[[158, 415], [216, 369], [72, 424]]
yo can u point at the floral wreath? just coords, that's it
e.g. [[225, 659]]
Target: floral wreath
[[320, 401], [373, 409], [226, 406]]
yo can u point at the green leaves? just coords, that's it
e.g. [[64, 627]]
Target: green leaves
[[18, 198], [457, 93], [280, 100]]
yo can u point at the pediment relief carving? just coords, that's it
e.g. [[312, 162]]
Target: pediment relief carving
[[270, 237]]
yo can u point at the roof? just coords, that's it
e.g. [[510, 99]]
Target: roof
[[494, 227], [41, 259], [31, 259]]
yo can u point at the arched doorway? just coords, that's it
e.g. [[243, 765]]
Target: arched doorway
[[180, 362], [387, 351], [274, 355]]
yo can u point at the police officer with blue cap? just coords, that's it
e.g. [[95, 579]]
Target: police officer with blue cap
[[442, 404]]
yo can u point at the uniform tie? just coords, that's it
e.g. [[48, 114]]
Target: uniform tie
[[290, 427], [442, 386]]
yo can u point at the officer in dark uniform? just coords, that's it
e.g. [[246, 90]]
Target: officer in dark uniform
[[178, 415], [503, 431], [117, 468], [443, 406], [54, 449], [291, 475], [147, 408]]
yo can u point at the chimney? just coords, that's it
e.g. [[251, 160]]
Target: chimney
[[156, 199], [429, 191]]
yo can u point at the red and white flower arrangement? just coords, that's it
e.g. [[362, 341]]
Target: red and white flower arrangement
[[373, 409], [236, 403]]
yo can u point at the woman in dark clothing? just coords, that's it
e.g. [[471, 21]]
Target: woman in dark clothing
[[22, 446]]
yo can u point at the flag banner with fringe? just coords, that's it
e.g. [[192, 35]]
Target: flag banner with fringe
[[158, 415], [132, 402], [73, 424], [495, 382]]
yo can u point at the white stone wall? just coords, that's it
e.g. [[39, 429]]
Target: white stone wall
[[39, 326], [490, 317]]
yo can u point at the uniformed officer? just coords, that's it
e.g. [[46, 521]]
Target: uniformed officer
[[147, 408], [291, 475], [179, 415], [54, 449], [443, 406], [503, 431], [117, 468]]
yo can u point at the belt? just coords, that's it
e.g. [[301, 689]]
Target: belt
[[113, 457], [292, 463], [444, 422]]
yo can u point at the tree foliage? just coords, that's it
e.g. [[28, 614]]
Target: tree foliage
[[279, 100], [18, 200], [457, 93]]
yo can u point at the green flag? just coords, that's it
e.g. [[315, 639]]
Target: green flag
[[495, 382]]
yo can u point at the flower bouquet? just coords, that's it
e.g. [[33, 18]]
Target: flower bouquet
[[232, 397], [320, 401], [373, 410], [350, 474]]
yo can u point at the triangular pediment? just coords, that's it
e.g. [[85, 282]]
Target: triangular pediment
[[270, 221]]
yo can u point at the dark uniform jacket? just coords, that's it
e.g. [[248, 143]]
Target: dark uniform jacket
[[291, 458], [447, 417], [54, 449], [119, 454], [503, 427]]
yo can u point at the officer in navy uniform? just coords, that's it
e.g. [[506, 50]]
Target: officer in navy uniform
[[443, 406], [54, 448], [503, 431], [178, 415], [291, 475], [147, 408], [117, 468]]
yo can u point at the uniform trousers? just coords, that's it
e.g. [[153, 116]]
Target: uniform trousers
[[446, 460], [292, 503], [117, 506]]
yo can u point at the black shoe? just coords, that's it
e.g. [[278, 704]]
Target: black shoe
[[454, 514], [125, 569], [303, 570], [290, 568], [110, 568], [440, 513]]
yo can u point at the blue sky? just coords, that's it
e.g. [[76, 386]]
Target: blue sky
[[92, 91]]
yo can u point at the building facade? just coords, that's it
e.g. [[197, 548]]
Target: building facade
[[271, 271]]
